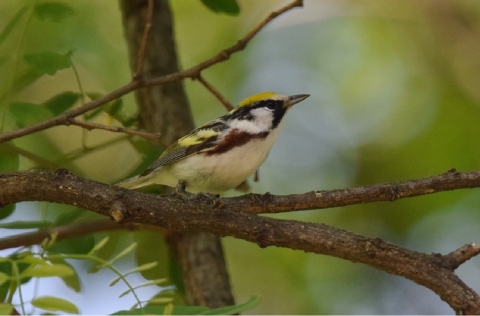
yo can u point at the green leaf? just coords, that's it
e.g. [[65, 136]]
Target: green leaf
[[47, 270], [6, 309], [116, 239], [72, 281], [61, 102], [99, 245], [25, 79], [11, 24], [7, 211], [89, 115], [159, 300], [124, 252], [4, 278], [6, 267], [143, 267], [229, 7], [195, 310], [55, 304], [159, 310], [9, 159], [26, 224], [145, 256], [69, 215], [48, 62], [253, 302], [114, 107], [93, 95], [28, 113], [76, 245], [54, 11], [30, 259]]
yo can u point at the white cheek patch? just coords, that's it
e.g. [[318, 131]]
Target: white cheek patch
[[262, 122]]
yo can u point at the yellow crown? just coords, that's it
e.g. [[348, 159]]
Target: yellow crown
[[258, 97]]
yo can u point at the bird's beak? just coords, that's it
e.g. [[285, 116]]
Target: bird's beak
[[294, 99]]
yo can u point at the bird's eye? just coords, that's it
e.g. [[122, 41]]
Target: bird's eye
[[270, 105]]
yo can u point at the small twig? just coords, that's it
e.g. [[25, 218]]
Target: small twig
[[62, 119], [143, 46], [64, 232], [224, 54], [136, 84], [115, 129], [270, 17], [214, 91], [459, 256], [70, 230]]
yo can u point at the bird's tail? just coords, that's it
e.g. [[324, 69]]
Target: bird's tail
[[134, 182]]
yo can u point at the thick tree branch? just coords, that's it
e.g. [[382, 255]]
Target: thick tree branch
[[139, 82], [224, 218]]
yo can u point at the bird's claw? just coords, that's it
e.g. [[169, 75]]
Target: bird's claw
[[180, 191]]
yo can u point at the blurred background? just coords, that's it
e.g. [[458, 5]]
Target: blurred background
[[395, 95]]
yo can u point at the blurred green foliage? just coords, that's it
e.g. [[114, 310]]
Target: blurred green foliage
[[395, 96]]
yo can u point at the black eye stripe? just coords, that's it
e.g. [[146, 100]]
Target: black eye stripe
[[244, 112]]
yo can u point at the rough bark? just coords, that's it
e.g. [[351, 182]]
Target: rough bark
[[434, 271]]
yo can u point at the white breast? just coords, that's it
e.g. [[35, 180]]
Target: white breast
[[220, 173]]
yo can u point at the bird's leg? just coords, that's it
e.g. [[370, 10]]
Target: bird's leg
[[180, 190], [214, 198]]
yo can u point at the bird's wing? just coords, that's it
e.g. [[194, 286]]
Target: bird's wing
[[200, 139]]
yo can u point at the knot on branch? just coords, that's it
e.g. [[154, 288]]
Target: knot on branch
[[451, 171], [372, 246], [117, 211], [62, 172], [395, 193], [263, 236]]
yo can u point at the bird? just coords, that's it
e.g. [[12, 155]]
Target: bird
[[219, 155]]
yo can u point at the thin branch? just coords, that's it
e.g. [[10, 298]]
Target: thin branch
[[116, 129], [214, 91], [224, 54], [64, 232], [388, 192], [136, 83], [459, 256], [143, 46], [226, 219], [73, 155], [62, 119]]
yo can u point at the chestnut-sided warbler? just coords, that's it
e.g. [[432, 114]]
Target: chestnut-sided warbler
[[222, 153]]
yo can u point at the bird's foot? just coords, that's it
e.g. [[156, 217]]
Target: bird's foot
[[214, 198], [180, 190]]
